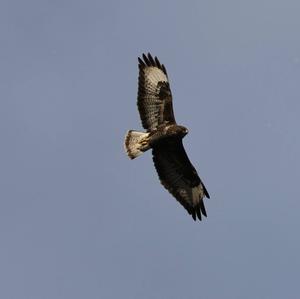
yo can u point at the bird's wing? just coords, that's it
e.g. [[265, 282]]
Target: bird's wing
[[154, 94], [179, 176]]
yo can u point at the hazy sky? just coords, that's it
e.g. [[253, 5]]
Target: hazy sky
[[78, 219]]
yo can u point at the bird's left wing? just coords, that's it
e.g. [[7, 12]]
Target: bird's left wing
[[179, 176]]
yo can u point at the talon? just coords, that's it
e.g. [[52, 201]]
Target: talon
[[144, 141]]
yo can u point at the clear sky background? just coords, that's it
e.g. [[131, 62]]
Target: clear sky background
[[78, 219]]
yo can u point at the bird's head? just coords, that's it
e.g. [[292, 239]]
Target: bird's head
[[183, 130], [175, 130]]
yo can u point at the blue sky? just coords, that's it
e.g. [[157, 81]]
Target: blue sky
[[78, 219]]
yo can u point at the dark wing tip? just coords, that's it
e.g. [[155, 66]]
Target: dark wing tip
[[202, 208], [194, 215], [157, 62], [198, 213], [148, 60], [205, 192], [141, 63]]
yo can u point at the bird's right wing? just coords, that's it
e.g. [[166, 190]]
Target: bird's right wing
[[154, 94]]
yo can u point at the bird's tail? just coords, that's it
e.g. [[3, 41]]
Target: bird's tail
[[136, 143]]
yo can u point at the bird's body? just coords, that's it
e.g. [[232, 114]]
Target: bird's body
[[164, 137]]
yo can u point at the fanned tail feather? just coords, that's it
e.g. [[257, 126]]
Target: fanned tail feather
[[136, 143]]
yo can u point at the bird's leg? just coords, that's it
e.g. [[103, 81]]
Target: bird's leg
[[145, 141]]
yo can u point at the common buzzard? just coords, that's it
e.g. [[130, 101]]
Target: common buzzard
[[164, 136]]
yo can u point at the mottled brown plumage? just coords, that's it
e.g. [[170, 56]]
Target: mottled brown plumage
[[164, 136]]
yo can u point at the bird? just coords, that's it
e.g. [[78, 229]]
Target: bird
[[164, 136]]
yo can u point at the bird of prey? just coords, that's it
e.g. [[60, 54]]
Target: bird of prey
[[164, 137]]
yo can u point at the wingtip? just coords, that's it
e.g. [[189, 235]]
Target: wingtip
[[202, 208], [151, 59], [141, 63], [147, 62], [194, 215], [205, 191], [198, 213]]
